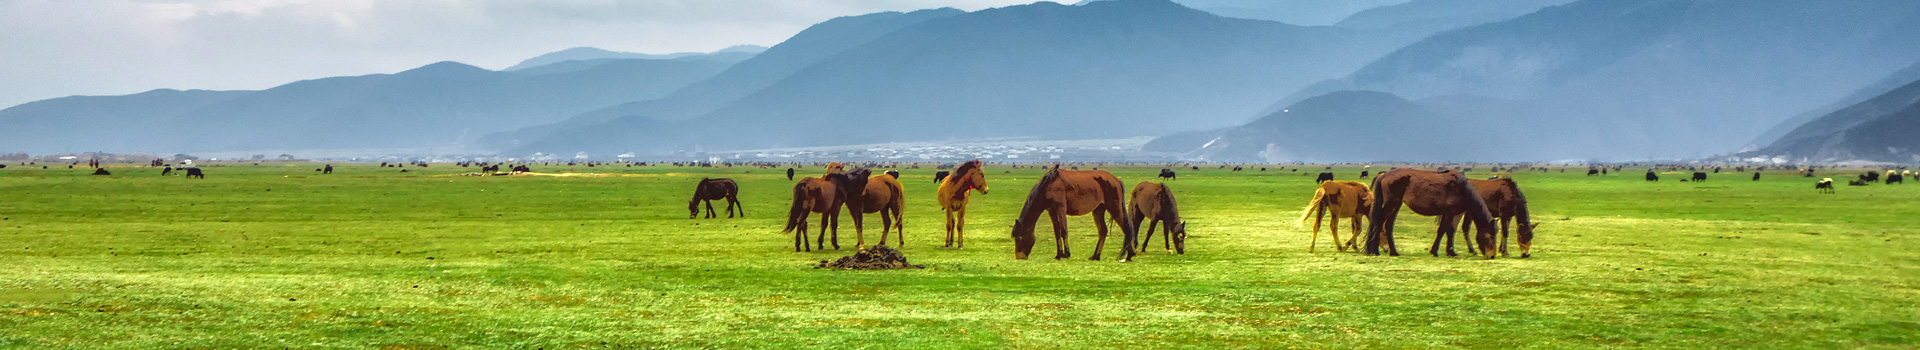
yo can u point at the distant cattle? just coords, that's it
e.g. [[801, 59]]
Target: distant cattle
[[167, 171], [1324, 177], [789, 174], [1870, 177], [1857, 183], [1593, 172], [1699, 176], [1168, 174], [1895, 178], [893, 173], [941, 176], [1756, 176], [327, 170], [195, 172], [522, 169], [1652, 177]]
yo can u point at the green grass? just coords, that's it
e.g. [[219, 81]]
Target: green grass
[[279, 256]]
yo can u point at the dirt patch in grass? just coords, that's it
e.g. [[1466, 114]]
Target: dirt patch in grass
[[871, 258]]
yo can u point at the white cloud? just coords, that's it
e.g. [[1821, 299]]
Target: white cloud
[[52, 48]]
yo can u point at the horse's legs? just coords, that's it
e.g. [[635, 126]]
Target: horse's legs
[[709, 204], [1315, 240], [886, 225], [960, 229], [1166, 237], [1386, 235], [1503, 235], [1466, 228], [1100, 222], [1151, 225], [1353, 233], [1060, 248], [859, 230], [820, 240], [1437, 234], [836, 229], [736, 202], [1380, 229], [800, 235], [949, 226], [1448, 224]]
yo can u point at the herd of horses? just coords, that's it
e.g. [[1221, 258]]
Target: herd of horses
[[1486, 208]]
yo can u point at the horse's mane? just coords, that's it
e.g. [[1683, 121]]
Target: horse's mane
[[1166, 200], [1039, 189], [961, 170]]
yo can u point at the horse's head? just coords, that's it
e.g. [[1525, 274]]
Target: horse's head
[[1179, 237], [1022, 238], [972, 176], [693, 208], [1526, 239]]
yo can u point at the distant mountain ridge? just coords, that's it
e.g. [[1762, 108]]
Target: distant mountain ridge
[[1882, 129], [732, 54]]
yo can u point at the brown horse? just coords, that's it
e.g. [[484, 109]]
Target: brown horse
[[824, 195], [709, 190], [886, 196], [1345, 200], [1152, 201], [1505, 202], [1432, 193], [1073, 193], [953, 199]]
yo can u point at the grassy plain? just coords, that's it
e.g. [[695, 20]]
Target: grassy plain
[[279, 256]]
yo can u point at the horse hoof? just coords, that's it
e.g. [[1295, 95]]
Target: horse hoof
[[1093, 258], [1525, 255]]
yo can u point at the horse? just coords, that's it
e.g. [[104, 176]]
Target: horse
[[195, 172], [1505, 202], [1593, 172], [1168, 174], [953, 198], [1893, 178], [1345, 200], [1445, 194], [1063, 193], [1153, 203], [1825, 185], [824, 195], [709, 190], [1699, 176], [1756, 176], [940, 176], [789, 174], [883, 195], [327, 170], [1652, 177], [1324, 177], [167, 171]]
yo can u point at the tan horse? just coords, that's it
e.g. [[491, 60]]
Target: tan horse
[[1153, 203], [1345, 200], [953, 199], [1505, 202], [1074, 193], [886, 196], [824, 196], [1445, 194]]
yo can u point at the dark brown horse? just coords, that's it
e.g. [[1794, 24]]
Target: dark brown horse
[[1062, 193], [709, 190], [1432, 193], [1505, 202], [824, 195], [1152, 202], [953, 199], [886, 196]]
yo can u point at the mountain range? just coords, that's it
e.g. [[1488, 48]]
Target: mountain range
[[1878, 129], [732, 54]]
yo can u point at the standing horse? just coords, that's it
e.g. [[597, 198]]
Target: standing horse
[[953, 198], [1073, 193], [824, 195], [1153, 203], [1345, 200], [1505, 202], [886, 196], [709, 190], [1443, 193]]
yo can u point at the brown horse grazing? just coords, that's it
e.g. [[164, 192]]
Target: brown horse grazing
[[1432, 193], [1505, 202], [709, 190], [1345, 200], [824, 195], [886, 196], [953, 198], [1152, 201], [1073, 193]]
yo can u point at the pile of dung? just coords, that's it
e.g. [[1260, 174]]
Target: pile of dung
[[872, 258]]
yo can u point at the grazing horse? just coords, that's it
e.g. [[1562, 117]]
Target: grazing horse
[[953, 198], [1593, 172], [1445, 194], [824, 195], [1505, 202], [1063, 193], [1345, 200], [1168, 174], [709, 190], [1324, 177], [884, 195], [1699, 176], [1825, 185], [1153, 203], [1652, 177], [940, 176], [195, 172]]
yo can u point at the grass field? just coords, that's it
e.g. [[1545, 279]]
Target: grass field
[[280, 256]]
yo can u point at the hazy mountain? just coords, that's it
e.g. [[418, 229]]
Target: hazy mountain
[[1882, 128], [438, 104], [1636, 79], [1296, 12], [729, 55], [1106, 69], [1345, 126], [1437, 15], [1894, 81], [803, 49]]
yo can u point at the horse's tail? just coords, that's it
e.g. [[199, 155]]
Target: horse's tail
[[1319, 201], [898, 205], [799, 210], [1374, 226]]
